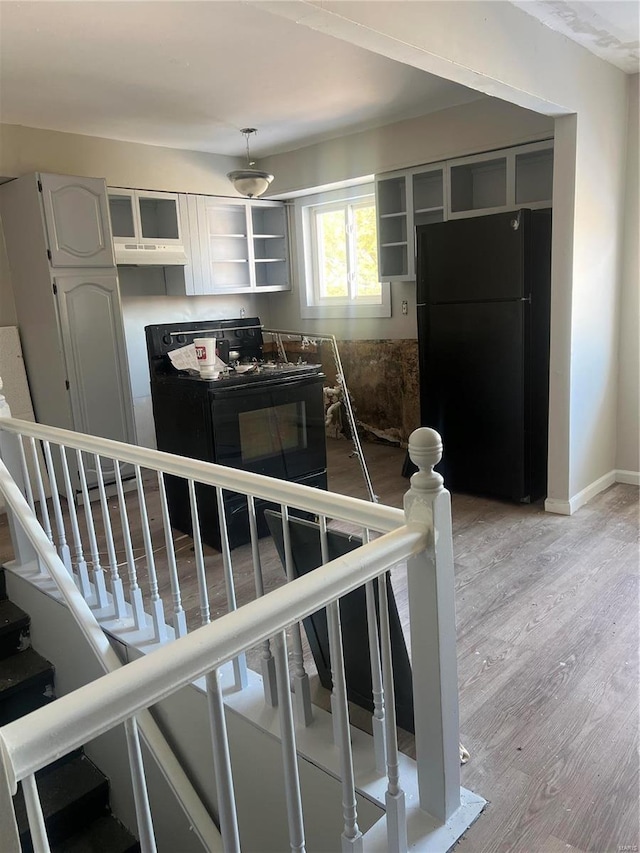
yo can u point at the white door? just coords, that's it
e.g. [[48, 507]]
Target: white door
[[76, 212], [95, 355]]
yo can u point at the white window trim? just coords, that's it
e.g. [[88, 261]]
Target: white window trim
[[305, 261]]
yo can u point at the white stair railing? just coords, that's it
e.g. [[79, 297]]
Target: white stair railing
[[98, 642], [126, 692], [426, 539]]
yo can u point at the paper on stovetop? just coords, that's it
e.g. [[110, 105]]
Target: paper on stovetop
[[184, 358]]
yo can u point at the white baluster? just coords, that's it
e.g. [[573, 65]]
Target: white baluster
[[44, 509], [83, 582], [240, 676], [26, 476], [12, 455], [433, 633], [157, 607], [301, 685], [222, 766], [351, 835], [378, 718], [98, 571], [63, 548], [179, 619], [394, 797], [288, 741], [117, 590], [205, 612], [335, 713], [139, 784], [135, 593], [35, 815], [267, 663]]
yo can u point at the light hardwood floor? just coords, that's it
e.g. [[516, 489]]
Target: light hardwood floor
[[547, 620]]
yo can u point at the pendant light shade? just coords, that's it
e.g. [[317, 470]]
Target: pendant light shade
[[250, 182]]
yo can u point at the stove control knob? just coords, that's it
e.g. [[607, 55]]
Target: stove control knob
[[167, 339], [182, 339]]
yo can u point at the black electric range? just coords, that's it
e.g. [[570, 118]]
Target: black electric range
[[266, 417]]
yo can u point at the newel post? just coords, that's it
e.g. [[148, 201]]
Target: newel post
[[10, 455], [433, 633]]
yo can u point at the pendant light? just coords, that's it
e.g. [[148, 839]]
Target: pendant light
[[250, 182]]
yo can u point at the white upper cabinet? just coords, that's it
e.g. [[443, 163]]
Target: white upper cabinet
[[481, 184], [243, 245], [501, 180], [403, 200], [77, 221], [147, 227]]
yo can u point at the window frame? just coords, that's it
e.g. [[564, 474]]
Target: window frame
[[312, 304]]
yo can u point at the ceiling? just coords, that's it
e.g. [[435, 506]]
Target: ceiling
[[189, 75], [608, 28]]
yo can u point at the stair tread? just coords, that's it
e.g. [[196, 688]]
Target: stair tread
[[59, 789], [12, 617], [73, 792], [19, 670], [105, 835]]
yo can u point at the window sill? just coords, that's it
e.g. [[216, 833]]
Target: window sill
[[337, 312]]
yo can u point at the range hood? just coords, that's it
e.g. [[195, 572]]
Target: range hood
[[150, 254]]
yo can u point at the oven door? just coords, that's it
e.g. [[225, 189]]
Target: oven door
[[275, 428]]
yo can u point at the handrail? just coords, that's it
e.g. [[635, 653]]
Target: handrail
[[99, 643], [355, 510], [95, 708], [421, 535]]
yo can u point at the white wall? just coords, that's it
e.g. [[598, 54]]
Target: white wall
[[123, 164], [628, 451], [500, 50], [140, 310], [483, 125]]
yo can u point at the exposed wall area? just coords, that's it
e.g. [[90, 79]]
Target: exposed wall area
[[382, 379]]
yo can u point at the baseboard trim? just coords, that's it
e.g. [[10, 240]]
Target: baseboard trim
[[558, 507], [632, 478], [583, 497]]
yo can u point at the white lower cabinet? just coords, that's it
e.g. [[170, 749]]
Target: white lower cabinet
[[94, 349]]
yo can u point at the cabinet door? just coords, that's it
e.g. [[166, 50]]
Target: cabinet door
[[95, 354], [76, 213]]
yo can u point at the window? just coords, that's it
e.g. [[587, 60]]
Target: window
[[338, 256]]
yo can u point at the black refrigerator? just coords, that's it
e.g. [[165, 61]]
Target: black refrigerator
[[483, 294]]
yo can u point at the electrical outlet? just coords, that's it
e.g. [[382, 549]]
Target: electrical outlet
[[243, 312], [405, 306]]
